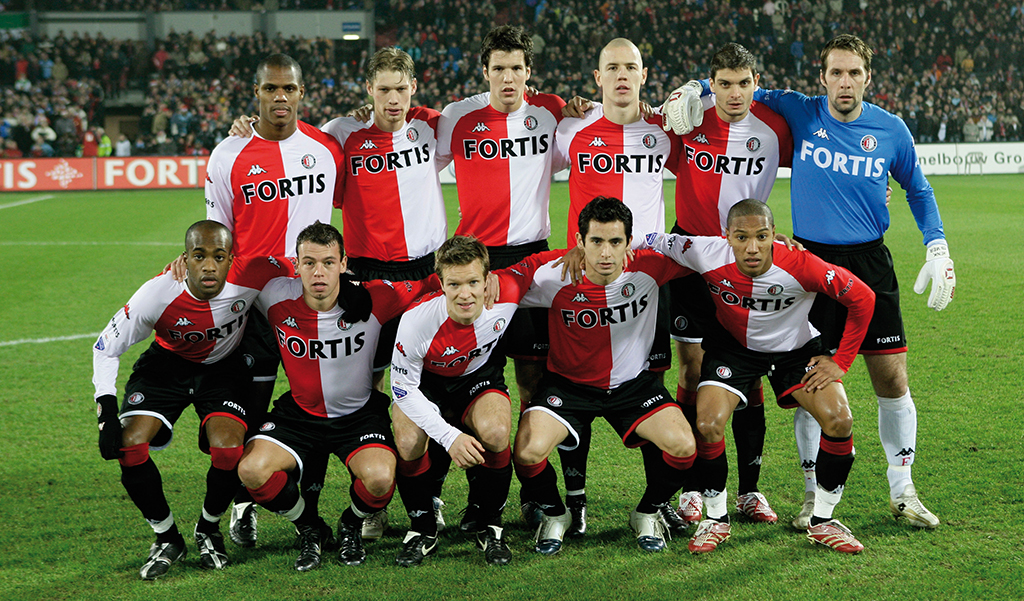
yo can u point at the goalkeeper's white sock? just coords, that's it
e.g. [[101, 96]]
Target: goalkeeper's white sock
[[897, 428], [807, 433]]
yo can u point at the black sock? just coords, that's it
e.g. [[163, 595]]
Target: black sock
[[663, 480], [314, 474], [574, 462], [416, 492], [440, 461], [146, 490], [748, 430], [221, 486], [543, 489], [833, 470], [489, 487]]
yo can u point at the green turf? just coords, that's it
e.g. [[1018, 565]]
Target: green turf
[[69, 531]]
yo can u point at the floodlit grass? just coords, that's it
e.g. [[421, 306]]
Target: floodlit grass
[[70, 532]]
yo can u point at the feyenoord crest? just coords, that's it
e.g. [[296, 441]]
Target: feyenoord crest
[[680, 323], [412, 135], [136, 398], [238, 306], [308, 161], [753, 144], [775, 290], [530, 122], [554, 401], [649, 141], [724, 372], [499, 325], [628, 290], [267, 427], [868, 143], [343, 325], [249, 360]]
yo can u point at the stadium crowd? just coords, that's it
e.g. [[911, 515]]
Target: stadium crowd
[[950, 70]]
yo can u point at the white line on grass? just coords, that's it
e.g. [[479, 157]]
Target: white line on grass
[[68, 243], [43, 340], [26, 201]]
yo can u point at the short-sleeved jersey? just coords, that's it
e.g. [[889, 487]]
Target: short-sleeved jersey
[[621, 161], [391, 208], [841, 171], [329, 361], [266, 192], [503, 166], [769, 313], [723, 163], [201, 331], [601, 336], [429, 340]]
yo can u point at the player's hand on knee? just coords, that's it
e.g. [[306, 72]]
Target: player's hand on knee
[[821, 371], [110, 427], [577, 107], [937, 269], [790, 243], [466, 451], [363, 113], [683, 111], [572, 265], [242, 127]]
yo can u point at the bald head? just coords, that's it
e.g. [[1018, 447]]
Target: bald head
[[209, 234], [617, 49]]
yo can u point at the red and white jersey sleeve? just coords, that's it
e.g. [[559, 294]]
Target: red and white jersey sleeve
[[769, 313], [503, 166], [266, 192], [391, 208], [201, 331], [723, 163], [601, 335], [329, 361], [620, 161]]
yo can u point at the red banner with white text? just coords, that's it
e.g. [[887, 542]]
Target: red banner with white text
[[110, 173]]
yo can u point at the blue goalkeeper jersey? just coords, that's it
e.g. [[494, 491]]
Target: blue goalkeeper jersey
[[841, 171]]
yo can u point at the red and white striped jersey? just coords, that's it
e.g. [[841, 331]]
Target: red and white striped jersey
[[503, 166], [329, 361], [723, 163], [429, 340], [391, 208], [601, 335], [201, 331], [266, 192], [769, 313], [620, 161]]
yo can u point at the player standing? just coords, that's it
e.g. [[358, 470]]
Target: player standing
[[763, 294], [845, 150], [266, 188], [193, 361]]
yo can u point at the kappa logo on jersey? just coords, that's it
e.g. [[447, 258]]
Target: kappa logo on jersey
[[597, 142], [136, 398], [182, 322], [724, 372], [499, 325], [628, 290], [389, 161], [530, 123], [775, 289], [398, 347], [412, 135], [868, 143], [649, 141], [726, 283], [343, 325], [723, 163], [701, 139], [308, 161], [580, 298], [753, 144], [830, 275], [451, 350], [505, 148], [368, 145], [315, 349], [284, 188], [821, 133], [238, 306], [254, 170], [604, 316], [126, 315], [840, 162], [290, 322], [274, 262], [554, 401], [196, 337], [480, 127], [619, 163]]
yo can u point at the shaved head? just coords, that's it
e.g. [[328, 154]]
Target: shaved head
[[616, 44], [216, 233]]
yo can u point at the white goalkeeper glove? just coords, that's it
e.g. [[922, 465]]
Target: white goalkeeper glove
[[683, 110], [938, 269]]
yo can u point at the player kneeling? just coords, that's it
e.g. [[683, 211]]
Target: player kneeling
[[763, 294]]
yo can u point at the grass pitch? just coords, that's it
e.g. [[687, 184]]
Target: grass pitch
[[70, 532]]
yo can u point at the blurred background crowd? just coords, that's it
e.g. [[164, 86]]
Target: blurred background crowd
[[951, 70]]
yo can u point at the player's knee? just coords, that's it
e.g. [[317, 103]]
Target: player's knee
[[837, 424], [494, 434], [379, 481], [252, 472], [711, 429], [225, 458], [529, 452]]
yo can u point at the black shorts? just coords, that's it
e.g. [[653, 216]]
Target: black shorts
[[693, 311], [739, 370], [304, 435], [366, 269], [660, 357], [163, 384], [527, 335], [454, 396], [872, 263], [259, 347], [624, 407]]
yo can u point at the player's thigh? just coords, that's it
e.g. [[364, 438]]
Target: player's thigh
[[139, 429], [888, 374], [539, 433], [373, 464], [261, 459], [490, 418], [830, 407], [669, 430], [224, 432], [410, 439], [715, 405]]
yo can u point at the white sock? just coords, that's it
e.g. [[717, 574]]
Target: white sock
[[807, 433], [294, 513], [209, 517], [716, 507], [163, 525], [825, 502], [897, 428], [359, 514], [573, 493]]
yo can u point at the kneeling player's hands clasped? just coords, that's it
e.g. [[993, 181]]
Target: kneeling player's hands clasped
[[466, 451], [821, 371], [110, 427], [937, 269]]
